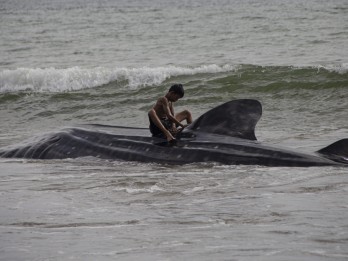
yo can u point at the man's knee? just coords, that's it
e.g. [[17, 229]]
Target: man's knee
[[188, 116], [188, 113]]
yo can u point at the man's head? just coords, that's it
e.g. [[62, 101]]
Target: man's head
[[176, 92]]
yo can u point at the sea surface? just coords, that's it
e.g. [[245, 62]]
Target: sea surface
[[69, 62]]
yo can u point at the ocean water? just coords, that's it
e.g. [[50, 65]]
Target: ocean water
[[66, 62]]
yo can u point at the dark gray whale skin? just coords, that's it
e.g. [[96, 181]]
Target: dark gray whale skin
[[224, 134]]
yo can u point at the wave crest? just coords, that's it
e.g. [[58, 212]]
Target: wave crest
[[76, 78]]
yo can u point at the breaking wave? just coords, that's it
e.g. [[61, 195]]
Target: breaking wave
[[76, 78]]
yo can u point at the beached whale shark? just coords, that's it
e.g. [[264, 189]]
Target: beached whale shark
[[225, 134]]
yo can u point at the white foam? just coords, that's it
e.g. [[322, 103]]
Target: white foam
[[131, 190], [338, 68], [76, 78]]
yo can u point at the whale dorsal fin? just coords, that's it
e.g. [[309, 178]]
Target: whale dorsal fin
[[337, 151], [236, 118]]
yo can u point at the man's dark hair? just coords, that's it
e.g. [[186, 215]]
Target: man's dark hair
[[178, 89]]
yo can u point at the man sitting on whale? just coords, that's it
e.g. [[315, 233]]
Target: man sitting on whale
[[163, 121]]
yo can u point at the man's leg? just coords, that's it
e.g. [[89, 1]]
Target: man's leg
[[184, 115]]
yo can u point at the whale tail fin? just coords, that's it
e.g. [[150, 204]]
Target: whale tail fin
[[236, 118], [337, 151]]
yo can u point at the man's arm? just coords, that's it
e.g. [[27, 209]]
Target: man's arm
[[168, 111], [153, 116]]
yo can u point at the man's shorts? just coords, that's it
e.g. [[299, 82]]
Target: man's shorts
[[156, 132]]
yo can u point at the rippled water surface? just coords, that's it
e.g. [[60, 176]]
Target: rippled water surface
[[76, 209]]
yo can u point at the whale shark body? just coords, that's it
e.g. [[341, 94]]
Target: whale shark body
[[225, 134]]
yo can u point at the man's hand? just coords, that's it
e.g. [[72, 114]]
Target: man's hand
[[174, 130]]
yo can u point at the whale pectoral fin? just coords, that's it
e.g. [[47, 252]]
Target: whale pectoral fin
[[337, 151], [236, 118]]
